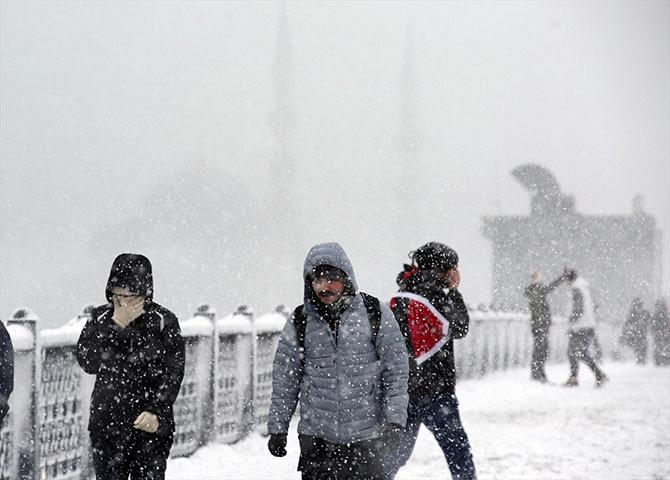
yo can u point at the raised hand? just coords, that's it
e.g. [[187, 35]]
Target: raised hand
[[453, 278], [126, 308]]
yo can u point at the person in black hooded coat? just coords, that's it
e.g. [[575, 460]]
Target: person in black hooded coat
[[135, 348], [6, 370]]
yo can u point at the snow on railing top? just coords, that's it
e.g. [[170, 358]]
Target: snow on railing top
[[22, 338], [197, 326], [21, 328], [273, 321], [237, 322], [493, 315], [67, 334], [201, 324], [24, 314]]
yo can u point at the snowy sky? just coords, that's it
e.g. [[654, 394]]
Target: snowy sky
[[147, 127]]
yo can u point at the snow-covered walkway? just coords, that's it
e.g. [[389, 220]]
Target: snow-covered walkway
[[518, 430]]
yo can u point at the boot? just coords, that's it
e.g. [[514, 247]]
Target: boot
[[571, 382]]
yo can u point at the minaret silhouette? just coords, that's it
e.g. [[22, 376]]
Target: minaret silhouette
[[283, 235], [282, 169], [408, 195]]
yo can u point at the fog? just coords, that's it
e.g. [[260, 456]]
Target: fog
[[222, 140]]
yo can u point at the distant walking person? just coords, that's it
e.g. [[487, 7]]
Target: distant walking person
[[431, 313], [6, 371], [135, 348], [635, 330], [581, 331], [540, 323], [342, 356], [660, 331]]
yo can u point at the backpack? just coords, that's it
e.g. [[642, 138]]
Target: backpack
[[374, 316]]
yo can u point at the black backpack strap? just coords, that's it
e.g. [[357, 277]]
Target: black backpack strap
[[374, 312], [400, 309], [300, 324]]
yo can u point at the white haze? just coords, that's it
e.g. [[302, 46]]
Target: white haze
[[150, 128]]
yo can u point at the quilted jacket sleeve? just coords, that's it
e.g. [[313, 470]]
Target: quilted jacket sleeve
[[286, 378]]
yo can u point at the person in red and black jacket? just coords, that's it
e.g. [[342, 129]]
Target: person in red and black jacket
[[431, 313]]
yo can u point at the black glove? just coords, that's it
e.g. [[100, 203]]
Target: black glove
[[392, 434], [277, 444]]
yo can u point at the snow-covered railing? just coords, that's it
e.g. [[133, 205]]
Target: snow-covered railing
[[268, 329], [233, 352], [63, 400], [45, 434], [226, 389], [17, 454], [192, 415], [498, 340]]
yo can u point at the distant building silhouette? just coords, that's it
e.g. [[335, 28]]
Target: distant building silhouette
[[620, 255]]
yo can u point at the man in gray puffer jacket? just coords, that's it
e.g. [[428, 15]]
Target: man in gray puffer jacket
[[351, 375]]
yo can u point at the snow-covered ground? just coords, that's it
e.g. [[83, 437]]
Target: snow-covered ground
[[518, 430]]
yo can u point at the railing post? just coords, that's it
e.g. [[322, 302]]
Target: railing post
[[247, 423], [206, 435], [232, 375], [267, 330], [27, 435], [193, 406]]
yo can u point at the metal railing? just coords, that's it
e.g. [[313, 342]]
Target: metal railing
[[225, 393]]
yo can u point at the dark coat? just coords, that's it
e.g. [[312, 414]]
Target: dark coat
[[138, 368], [540, 313], [437, 375], [635, 328], [6, 370]]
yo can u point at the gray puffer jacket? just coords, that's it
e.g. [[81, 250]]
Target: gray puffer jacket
[[347, 392]]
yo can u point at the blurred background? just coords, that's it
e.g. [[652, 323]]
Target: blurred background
[[223, 139]]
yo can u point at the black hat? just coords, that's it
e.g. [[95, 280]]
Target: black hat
[[435, 255]]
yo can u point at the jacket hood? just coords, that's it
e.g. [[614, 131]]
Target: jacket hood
[[131, 271], [329, 254]]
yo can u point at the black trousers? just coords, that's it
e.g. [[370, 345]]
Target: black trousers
[[139, 454], [322, 460], [578, 350], [540, 354]]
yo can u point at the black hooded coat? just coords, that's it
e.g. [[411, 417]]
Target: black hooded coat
[[138, 368], [6, 370]]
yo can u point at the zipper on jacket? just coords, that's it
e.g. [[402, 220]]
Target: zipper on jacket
[[337, 374]]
